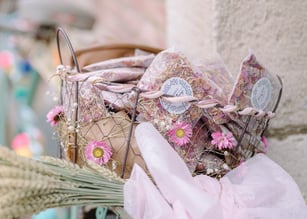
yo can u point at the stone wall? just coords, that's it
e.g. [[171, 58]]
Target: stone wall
[[276, 31]]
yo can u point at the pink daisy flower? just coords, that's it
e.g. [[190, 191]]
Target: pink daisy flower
[[54, 115], [180, 133], [98, 151], [223, 140]]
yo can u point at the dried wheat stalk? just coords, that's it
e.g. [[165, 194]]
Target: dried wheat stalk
[[28, 186]]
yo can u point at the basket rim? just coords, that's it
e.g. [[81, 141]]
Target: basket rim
[[115, 46]]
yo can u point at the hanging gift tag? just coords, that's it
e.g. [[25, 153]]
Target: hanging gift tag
[[176, 87], [261, 93], [255, 87], [171, 72]]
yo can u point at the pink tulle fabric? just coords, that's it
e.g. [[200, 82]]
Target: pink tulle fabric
[[257, 189]]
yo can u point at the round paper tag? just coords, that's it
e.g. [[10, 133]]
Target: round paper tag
[[261, 93], [176, 87]]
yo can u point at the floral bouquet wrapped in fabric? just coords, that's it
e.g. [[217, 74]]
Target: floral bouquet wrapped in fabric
[[213, 121], [159, 135]]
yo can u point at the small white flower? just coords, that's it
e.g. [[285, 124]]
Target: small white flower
[[226, 167], [209, 171], [70, 128]]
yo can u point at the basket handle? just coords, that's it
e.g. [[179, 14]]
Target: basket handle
[[61, 32]]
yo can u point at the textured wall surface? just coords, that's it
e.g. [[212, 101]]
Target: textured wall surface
[[291, 154], [276, 31], [133, 21], [188, 21]]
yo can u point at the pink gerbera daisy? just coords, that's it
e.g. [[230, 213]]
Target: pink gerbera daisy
[[54, 115], [180, 133], [98, 151], [223, 140]]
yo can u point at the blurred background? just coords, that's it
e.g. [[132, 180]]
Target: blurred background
[[29, 57], [29, 54], [276, 31]]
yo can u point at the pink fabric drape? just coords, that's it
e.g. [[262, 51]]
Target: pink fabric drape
[[257, 189]]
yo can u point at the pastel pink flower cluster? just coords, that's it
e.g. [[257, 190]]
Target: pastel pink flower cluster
[[54, 115], [223, 140], [98, 151]]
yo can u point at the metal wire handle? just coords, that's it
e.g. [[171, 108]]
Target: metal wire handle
[[61, 32]]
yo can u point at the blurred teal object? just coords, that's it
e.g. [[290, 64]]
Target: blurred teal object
[[47, 214], [4, 86], [53, 213], [24, 85], [27, 80], [101, 212], [74, 212]]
